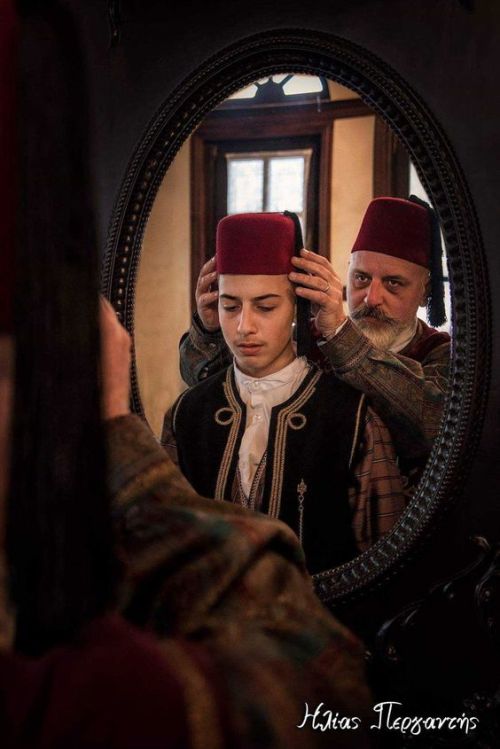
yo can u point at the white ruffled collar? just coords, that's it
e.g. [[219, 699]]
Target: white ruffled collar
[[282, 377]]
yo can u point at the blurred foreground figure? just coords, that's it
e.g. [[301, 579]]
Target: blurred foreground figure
[[225, 642], [234, 642]]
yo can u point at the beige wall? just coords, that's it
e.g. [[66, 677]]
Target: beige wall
[[162, 305], [352, 184], [340, 93]]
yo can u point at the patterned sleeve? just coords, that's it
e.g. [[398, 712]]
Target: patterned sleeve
[[232, 586], [408, 395], [378, 497], [202, 354]]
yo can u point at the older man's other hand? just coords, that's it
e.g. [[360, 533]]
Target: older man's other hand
[[115, 363], [321, 285], [207, 297]]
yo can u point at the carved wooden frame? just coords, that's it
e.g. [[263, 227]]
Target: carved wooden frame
[[379, 86]]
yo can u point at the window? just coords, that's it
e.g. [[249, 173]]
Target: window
[[268, 181], [269, 152], [281, 88]]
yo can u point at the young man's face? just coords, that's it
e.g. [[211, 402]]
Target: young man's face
[[384, 294], [256, 315]]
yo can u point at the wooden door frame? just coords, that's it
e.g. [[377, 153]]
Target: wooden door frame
[[391, 163]]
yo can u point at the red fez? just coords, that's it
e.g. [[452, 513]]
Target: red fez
[[397, 227], [255, 244]]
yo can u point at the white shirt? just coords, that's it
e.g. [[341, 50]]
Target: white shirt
[[260, 394]]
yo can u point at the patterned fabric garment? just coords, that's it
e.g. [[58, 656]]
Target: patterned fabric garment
[[227, 594], [225, 642], [407, 389], [231, 687]]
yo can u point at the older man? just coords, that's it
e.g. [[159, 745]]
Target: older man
[[382, 349]]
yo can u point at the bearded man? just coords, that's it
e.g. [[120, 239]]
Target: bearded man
[[381, 348]]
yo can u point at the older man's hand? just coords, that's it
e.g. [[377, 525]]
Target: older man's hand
[[207, 296], [115, 363], [321, 285]]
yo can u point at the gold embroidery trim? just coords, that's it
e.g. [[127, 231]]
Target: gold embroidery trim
[[280, 445], [255, 488], [297, 421], [224, 422], [234, 406], [301, 492]]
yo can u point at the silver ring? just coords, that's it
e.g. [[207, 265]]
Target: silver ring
[[325, 291]]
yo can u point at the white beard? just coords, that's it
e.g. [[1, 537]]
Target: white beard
[[385, 334]]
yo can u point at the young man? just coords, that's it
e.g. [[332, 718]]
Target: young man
[[273, 431], [383, 349]]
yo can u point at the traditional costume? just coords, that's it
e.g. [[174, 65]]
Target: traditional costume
[[266, 442], [406, 385]]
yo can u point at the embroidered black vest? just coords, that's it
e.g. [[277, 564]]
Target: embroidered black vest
[[313, 437]]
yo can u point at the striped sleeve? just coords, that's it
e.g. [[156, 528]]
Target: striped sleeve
[[377, 496]]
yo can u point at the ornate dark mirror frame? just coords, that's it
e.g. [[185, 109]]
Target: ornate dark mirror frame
[[387, 94]]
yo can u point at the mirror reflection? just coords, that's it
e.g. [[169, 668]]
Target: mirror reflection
[[365, 397]]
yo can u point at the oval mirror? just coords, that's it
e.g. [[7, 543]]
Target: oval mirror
[[315, 125]]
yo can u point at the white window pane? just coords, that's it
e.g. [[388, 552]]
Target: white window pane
[[298, 84], [416, 187], [245, 186], [245, 93], [303, 84], [286, 184], [447, 307]]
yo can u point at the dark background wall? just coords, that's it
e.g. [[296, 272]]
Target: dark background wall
[[448, 52]]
